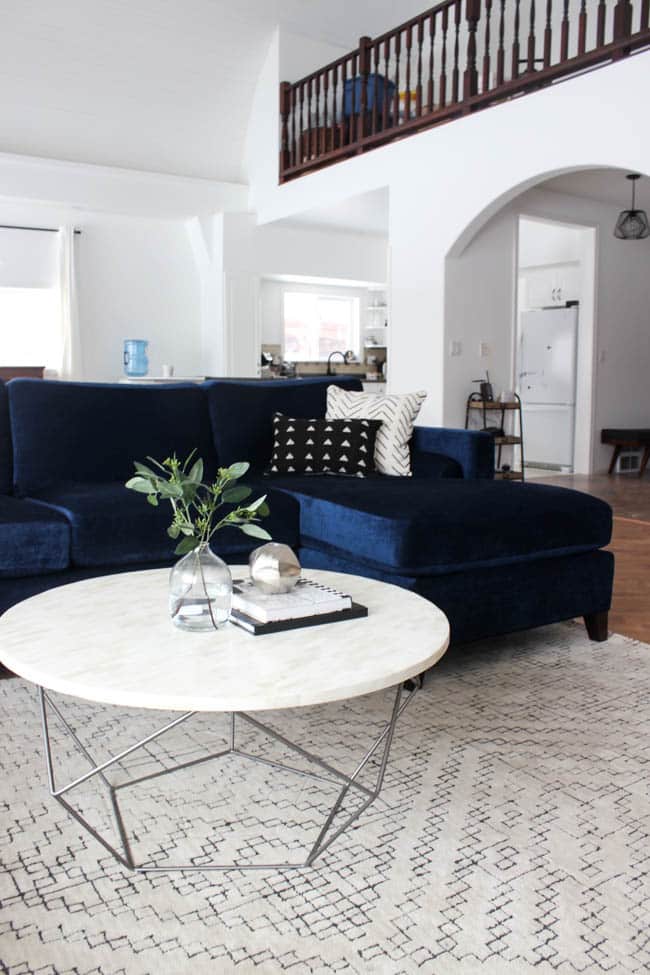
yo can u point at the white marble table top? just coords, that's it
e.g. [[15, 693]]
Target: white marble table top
[[111, 640]]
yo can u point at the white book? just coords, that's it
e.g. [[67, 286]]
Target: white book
[[307, 598]]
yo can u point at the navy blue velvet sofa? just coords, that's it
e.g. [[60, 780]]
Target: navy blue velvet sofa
[[495, 556]]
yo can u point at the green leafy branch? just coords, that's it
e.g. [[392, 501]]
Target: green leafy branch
[[196, 505]]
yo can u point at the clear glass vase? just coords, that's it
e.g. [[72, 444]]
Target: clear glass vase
[[200, 590]]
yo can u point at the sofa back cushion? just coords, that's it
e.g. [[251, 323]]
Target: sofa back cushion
[[6, 463], [90, 432], [242, 412]]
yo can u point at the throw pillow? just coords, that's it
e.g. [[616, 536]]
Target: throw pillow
[[397, 414], [320, 446]]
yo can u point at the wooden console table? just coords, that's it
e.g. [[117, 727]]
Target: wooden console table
[[630, 440]]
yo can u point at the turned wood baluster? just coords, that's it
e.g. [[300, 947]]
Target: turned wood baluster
[[455, 77], [515, 41], [407, 93], [530, 63], [294, 111], [418, 87], [548, 33], [285, 106], [385, 111], [582, 28], [486, 54], [317, 127], [335, 106], [564, 42], [301, 128], [470, 78], [430, 83], [356, 101], [344, 120], [397, 54], [501, 52], [600, 29], [645, 14], [326, 139], [443, 65], [309, 133], [375, 90], [365, 65]]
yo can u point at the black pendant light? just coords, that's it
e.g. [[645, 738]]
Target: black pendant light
[[632, 224]]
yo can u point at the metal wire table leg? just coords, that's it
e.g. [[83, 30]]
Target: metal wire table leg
[[328, 833]]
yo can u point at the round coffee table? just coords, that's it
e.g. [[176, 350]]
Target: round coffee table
[[110, 640]]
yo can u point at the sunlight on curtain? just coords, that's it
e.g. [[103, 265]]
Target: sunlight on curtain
[[71, 358]]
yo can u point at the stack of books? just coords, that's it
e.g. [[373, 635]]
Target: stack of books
[[308, 604]]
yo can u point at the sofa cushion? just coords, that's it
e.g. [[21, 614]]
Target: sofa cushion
[[242, 412], [420, 526], [316, 446], [434, 465], [397, 413], [6, 463], [91, 432], [35, 541], [111, 525]]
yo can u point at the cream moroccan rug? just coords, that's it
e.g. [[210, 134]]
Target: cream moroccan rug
[[512, 835]]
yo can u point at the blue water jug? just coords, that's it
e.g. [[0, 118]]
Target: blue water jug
[[136, 362]]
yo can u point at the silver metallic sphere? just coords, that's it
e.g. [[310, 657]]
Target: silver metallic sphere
[[274, 568]]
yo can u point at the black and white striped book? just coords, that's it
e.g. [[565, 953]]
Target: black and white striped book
[[307, 598]]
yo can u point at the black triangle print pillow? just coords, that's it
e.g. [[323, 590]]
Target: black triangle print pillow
[[344, 447]]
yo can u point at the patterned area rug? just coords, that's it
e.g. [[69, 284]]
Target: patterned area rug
[[511, 835]]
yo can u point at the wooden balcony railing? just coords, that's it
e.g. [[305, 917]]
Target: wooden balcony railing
[[458, 57]]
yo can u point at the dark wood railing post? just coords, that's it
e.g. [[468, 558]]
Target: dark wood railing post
[[470, 78], [285, 108], [365, 67], [622, 19], [622, 24]]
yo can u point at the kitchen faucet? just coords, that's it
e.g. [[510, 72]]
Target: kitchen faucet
[[329, 361]]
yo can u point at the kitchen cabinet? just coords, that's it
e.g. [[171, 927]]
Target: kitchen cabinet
[[544, 287]]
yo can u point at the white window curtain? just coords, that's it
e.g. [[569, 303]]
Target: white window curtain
[[71, 357]]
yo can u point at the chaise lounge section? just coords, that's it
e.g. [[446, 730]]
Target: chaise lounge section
[[495, 556]]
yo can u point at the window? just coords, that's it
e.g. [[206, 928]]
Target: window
[[316, 325], [30, 308], [29, 327]]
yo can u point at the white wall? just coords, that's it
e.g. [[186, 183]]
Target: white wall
[[480, 289], [543, 243], [136, 279], [446, 182]]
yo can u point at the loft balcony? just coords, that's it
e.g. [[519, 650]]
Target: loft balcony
[[458, 57]]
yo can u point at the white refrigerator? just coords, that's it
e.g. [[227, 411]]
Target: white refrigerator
[[548, 345]]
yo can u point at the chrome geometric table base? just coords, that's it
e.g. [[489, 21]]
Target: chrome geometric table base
[[328, 774]]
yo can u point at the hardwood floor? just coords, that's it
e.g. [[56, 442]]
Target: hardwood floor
[[629, 497]]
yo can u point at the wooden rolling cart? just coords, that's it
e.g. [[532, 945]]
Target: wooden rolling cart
[[506, 438]]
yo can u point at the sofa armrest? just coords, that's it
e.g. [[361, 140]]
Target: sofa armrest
[[472, 449]]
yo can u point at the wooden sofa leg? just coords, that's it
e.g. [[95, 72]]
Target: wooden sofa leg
[[596, 624]]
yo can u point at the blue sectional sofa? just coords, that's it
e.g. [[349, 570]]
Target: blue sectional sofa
[[495, 556]]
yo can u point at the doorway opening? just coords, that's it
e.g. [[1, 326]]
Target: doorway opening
[[554, 342]]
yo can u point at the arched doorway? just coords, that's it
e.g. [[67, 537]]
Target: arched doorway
[[483, 302]]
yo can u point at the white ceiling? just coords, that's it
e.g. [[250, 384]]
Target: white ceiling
[[159, 85], [606, 185]]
